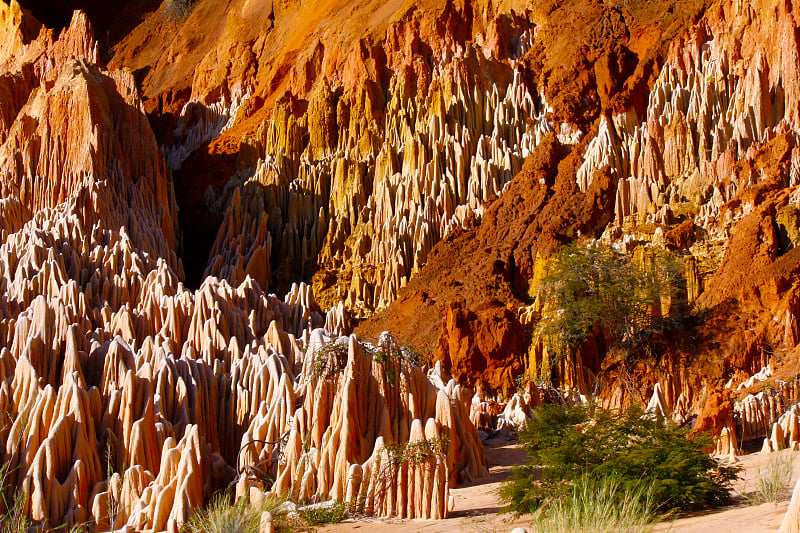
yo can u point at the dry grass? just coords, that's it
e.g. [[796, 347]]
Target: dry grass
[[772, 484], [222, 516]]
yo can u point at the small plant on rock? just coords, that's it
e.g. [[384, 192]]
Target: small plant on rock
[[417, 452], [393, 356], [329, 360]]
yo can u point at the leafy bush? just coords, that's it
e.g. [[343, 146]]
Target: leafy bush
[[588, 287], [773, 482], [394, 357], [599, 506], [326, 515], [566, 443]]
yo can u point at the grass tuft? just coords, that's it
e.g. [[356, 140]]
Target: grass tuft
[[599, 506], [12, 509], [222, 516], [15, 520], [772, 485]]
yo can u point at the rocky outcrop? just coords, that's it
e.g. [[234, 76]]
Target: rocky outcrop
[[69, 119], [377, 431], [791, 520]]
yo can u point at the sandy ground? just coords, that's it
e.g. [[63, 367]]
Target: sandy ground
[[477, 506]]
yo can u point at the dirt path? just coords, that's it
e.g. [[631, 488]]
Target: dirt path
[[477, 506]]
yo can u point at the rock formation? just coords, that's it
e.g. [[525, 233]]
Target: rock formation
[[331, 185], [127, 398]]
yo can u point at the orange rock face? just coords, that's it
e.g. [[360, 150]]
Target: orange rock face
[[482, 346], [717, 414]]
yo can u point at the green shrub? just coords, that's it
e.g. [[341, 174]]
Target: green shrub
[[566, 443], [329, 361], [599, 506], [773, 481], [326, 515], [393, 357]]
